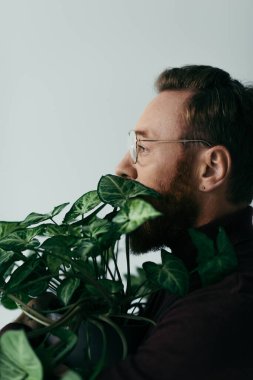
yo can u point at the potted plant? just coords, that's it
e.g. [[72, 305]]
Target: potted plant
[[76, 263]]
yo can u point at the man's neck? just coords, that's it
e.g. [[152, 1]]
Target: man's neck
[[212, 211]]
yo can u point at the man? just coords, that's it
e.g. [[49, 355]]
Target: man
[[193, 144]]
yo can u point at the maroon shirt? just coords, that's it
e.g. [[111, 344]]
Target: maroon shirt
[[207, 334]]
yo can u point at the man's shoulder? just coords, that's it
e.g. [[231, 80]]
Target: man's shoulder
[[227, 302]]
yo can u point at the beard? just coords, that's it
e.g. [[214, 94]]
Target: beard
[[180, 210]]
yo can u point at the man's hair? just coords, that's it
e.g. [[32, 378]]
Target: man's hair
[[220, 111]]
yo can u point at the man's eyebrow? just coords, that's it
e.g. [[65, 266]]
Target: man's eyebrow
[[142, 133]]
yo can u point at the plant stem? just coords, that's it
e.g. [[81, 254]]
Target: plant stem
[[95, 264], [105, 264], [84, 273], [139, 287], [53, 221], [128, 288], [120, 333], [55, 324], [109, 270], [116, 264], [116, 252], [33, 314], [101, 362]]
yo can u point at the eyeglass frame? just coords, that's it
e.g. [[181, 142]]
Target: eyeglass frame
[[134, 157]]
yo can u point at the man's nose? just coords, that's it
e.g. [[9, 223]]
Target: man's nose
[[126, 168]]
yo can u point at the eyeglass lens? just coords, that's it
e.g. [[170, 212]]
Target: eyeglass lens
[[132, 146]]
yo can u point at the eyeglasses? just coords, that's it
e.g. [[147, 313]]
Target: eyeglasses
[[133, 144]]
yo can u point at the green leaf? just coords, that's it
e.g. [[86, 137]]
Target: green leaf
[[13, 242], [17, 359], [86, 248], [67, 288], [35, 218], [51, 229], [7, 303], [205, 246], [71, 375], [134, 213], [172, 275], [60, 244], [36, 288], [53, 264], [110, 286], [5, 256], [29, 233], [117, 190], [22, 272], [83, 205], [6, 269], [21, 239], [224, 245], [98, 235], [58, 209], [8, 227], [59, 351], [96, 228], [101, 231], [214, 264]]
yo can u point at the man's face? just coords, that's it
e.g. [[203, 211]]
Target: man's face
[[165, 167]]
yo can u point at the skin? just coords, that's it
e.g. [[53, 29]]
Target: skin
[[157, 162]]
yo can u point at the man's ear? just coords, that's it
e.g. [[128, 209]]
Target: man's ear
[[215, 168]]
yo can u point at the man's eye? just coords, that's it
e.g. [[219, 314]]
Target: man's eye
[[142, 149]]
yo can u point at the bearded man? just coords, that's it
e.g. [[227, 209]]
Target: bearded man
[[193, 144]]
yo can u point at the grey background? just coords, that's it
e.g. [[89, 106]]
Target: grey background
[[75, 76]]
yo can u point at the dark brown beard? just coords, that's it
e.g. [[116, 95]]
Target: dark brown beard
[[180, 210]]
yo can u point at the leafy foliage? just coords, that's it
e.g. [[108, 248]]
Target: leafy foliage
[[83, 205], [67, 288], [76, 262], [171, 275], [133, 214], [116, 190], [71, 375], [17, 358], [214, 261]]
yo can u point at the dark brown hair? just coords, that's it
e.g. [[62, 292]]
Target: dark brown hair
[[220, 111]]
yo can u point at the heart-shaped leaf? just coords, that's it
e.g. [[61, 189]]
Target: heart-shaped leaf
[[214, 263], [58, 209], [134, 213], [22, 272], [83, 205], [8, 227], [5, 256], [67, 288], [35, 218], [17, 359], [117, 190], [172, 275]]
